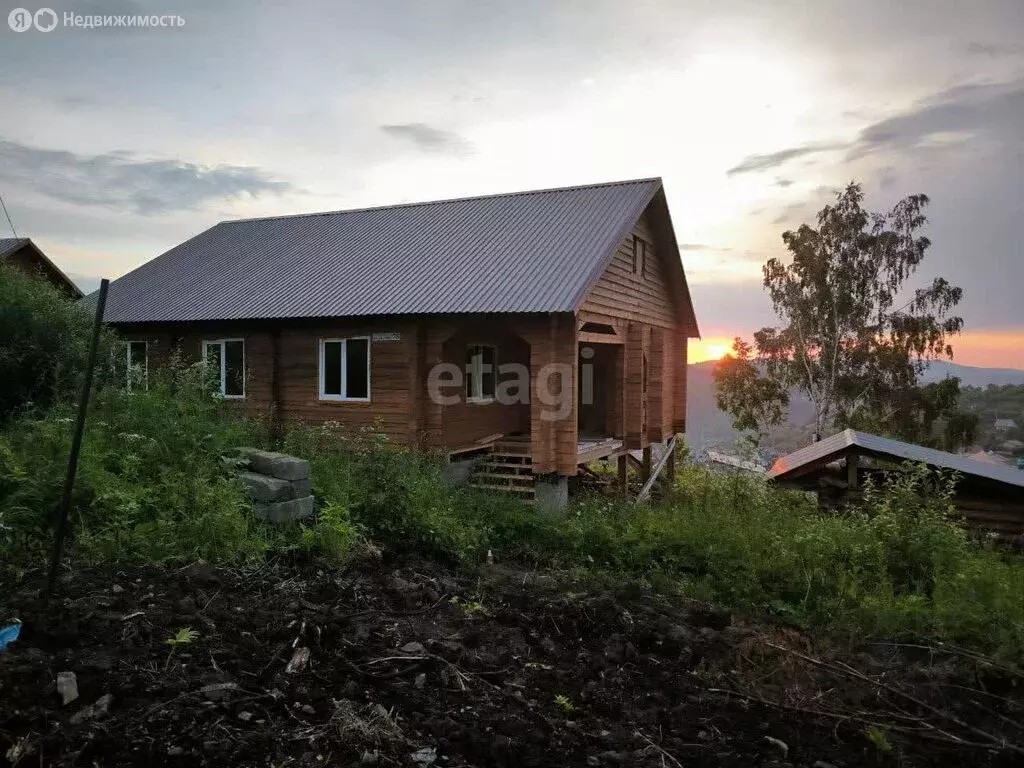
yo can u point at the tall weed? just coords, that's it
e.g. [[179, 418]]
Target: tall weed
[[151, 485]]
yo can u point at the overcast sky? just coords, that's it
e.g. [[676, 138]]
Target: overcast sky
[[116, 144]]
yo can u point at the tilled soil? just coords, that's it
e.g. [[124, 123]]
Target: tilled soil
[[414, 664]]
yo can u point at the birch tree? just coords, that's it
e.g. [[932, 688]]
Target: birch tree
[[853, 337]]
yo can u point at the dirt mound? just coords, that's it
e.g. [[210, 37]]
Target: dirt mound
[[412, 664]]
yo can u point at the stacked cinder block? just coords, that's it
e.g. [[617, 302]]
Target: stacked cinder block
[[279, 485]]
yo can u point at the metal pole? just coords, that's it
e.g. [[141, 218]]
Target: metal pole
[[76, 442]]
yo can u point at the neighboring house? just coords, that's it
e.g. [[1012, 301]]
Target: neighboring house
[[1005, 425], [990, 496], [23, 254], [401, 315]]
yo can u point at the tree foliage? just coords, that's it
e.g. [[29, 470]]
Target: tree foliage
[[44, 343], [853, 339], [756, 402]]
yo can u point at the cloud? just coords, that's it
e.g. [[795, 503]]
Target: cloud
[[703, 247], [790, 212], [430, 139], [994, 50], [783, 183], [754, 163], [995, 111], [122, 181]]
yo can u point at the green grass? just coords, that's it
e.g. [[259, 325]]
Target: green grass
[[153, 488]]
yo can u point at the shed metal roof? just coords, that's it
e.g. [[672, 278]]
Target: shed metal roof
[[842, 443], [533, 251]]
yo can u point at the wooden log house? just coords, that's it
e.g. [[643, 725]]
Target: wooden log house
[[423, 318]]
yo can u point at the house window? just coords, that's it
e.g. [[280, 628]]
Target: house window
[[345, 369], [137, 364], [481, 373], [227, 359], [639, 256]]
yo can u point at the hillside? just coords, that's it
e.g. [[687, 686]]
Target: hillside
[[708, 427]]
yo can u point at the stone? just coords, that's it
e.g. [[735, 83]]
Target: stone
[[299, 660], [414, 647], [277, 464], [284, 511], [218, 691], [67, 687], [308, 709], [425, 756], [421, 680], [117, 589], [93, 711], [780, 745], [302, 487], [265, 488]]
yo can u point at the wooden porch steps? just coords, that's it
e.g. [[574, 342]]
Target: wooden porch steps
[[507, 469]]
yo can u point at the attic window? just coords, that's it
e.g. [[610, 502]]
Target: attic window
[[597, 328], [639, 256]]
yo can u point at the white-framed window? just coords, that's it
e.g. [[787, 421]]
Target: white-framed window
[[227, 358], [481, 373], [345, 369], [136, 357]]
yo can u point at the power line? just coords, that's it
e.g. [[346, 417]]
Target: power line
[[2, 205]]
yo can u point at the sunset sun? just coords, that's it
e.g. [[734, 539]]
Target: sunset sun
[[709, 349]]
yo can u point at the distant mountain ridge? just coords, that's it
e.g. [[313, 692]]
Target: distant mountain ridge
[[708, 427], [974, 377]]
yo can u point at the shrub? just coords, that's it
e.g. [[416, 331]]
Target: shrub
[[397, 496], [151, 485], [44, 343]]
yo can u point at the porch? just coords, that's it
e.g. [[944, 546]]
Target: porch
[[506, 463]]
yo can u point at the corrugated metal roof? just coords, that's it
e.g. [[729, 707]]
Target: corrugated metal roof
[[9, 244], [836, 445], [522, 252]]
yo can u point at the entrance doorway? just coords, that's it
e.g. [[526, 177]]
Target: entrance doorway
[[597, 395]]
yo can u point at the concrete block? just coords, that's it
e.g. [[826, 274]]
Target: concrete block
[[284, 511], [278, 465], [302, 488], [459, 472], [551, 492], [264, 488]]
